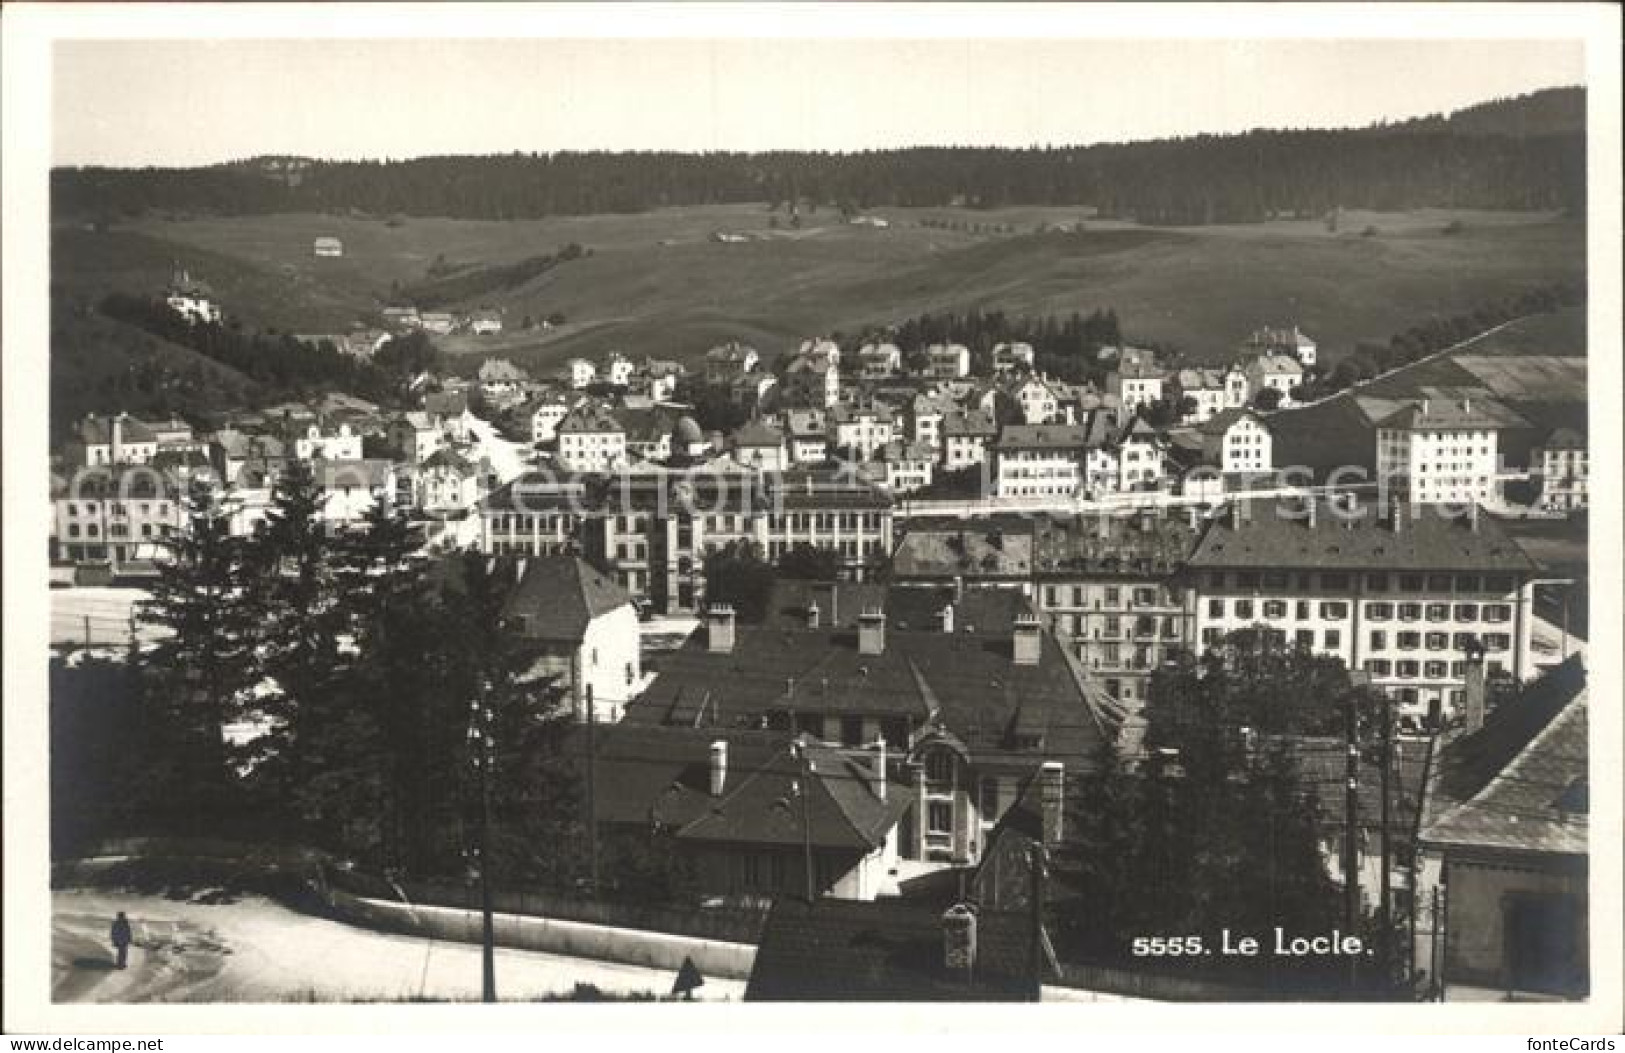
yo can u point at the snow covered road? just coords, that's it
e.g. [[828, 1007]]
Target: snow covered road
[[253, 950]]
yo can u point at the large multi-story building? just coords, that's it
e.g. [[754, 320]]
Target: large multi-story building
[[653, 528], [964, 717], [591, 440], [1135, 384], [1563, 467], [1040, 460], [117, 514], [1403, 594], [1444, 450], [966, 437]]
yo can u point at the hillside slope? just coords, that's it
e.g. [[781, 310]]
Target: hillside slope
[[656, 284]]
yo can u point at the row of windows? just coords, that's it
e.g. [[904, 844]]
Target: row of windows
[[1332, 639], [1374, 582], [118, 530], [1410, 641], [118, 508], [1330, 610], [1112, 596], [1439, 612], [1409, 669]]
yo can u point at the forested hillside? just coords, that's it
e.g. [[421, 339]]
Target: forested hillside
[[1526, 153]]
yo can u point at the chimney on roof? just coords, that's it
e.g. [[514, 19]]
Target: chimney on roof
[[719, 625], [1472, 696], [1466, 405], [1025, 640], [812, 615], [1396, 515], [115, 452], [880, 767], [872, 631], [1424, 407], [1052, 799], [1309, 506], [1472, 516], [948, 618], [719, 767]]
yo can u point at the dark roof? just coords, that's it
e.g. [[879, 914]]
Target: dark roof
[[1221, 421], [1514, 783], [968, 423], [965, 682], [1323, 765], [1043, 436], [986, 611], [589, 417], [755, 433], [886, 951], [1452, 413], [1147, 545], [1269, 534], [446, 403], [996, 547], [845, 810], [558, 597], [1565, 438]]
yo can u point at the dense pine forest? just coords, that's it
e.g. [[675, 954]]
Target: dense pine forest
[[1525, 153]]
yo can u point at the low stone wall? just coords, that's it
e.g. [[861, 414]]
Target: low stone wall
[[652, 950]]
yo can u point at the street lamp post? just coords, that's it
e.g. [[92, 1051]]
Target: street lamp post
[[483, 749]]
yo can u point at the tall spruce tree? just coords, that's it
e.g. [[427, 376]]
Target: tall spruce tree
[[196, 677]]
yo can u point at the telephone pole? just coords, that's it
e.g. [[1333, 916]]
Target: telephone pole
[[1351, 827], [1385, 949], [483, 747]]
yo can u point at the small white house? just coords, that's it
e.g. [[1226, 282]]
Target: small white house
[[581, 372], [338, 443], [328, 246]]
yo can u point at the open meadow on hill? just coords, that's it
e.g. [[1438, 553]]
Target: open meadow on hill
[[660, 283]]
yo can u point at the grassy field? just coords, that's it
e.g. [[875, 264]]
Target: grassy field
[[656, 283]]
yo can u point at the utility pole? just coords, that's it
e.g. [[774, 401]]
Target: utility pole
[[484, 750], [1351, 828], [592, 791], [1385, 949]]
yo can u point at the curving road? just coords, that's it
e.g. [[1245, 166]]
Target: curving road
[[253, 950]]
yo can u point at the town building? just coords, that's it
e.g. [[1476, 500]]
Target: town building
[[761, 446], [728, 362], [1283, 341], [117, 439], [117, 515], [879, 359], [500, 379], [812, 380], [1039, 460], [808, 432], [485, 323], [192, 299], [440, 323], [967, 718], [1561, 463], [1135, 384], [417, 435], [586, 630], [1034, 399], [1404, 594], [745, 811], [618, 369], [1012, 357], [947, 361], [858, 431], [1141, 452], [925, 413], [349, 490], [328, 441], [1503, 867], [1282, 373], [966, 437], [907, 466], [328, 247], [1237, 440], [1445, 450], [1207, 391], [447, 482], [591, 440], [580, 373]]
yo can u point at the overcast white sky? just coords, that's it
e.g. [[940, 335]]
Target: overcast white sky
[[165, 102]]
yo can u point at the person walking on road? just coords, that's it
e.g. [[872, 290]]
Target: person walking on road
[[121, 937]]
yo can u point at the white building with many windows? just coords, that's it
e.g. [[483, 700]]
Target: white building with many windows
[[1403, 595], [591, 440], [1040, 460], [1445, 450], [1562, 465]]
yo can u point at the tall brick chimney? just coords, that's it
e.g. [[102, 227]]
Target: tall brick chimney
[[719, 624], [872, 631]]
